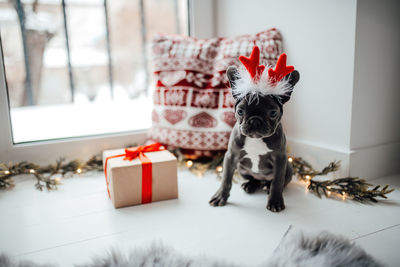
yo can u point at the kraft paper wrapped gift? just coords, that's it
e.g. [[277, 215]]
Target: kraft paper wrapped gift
[[125, 175]]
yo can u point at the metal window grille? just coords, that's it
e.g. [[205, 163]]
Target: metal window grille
[[28, 80]]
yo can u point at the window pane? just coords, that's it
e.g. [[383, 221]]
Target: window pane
[[13, 55], [53, 87], [81, 68], [127, 48]]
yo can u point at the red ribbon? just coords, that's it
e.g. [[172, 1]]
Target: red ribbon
[[147, 170]]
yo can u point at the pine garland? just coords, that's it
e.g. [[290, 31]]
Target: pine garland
[[349, 187], [45, 175], [353, 188], [201, 165]]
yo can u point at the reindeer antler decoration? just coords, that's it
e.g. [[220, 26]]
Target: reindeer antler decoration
[[280, 71], [255, 70], [252, 62], [254, 80]]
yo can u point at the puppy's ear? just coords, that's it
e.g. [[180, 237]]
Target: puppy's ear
[[292, 79], [233, 75]]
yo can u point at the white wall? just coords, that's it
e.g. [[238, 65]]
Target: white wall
[[346, 52], [375, 125], [376, 76], [319, 40]]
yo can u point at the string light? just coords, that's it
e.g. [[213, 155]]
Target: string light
[[189, 163], [329, 191], [219, 169], [308, 177], [343, 195], [290, 159], [57, 180], [45, 175]]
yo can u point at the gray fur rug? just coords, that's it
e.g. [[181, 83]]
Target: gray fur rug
[[295, 249]]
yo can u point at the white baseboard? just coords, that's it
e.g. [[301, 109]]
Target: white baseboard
[[376, 161], [367, 163], [320, 156]]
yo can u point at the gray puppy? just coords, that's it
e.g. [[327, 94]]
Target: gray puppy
[[257, 145]]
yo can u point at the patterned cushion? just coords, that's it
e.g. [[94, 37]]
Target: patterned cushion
[[193, 104]]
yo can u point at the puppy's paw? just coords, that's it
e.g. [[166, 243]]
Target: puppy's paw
[[276, 204], [219, 199], [251, 186]]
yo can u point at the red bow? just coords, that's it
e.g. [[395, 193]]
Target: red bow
[[147, 172], [134, 152]]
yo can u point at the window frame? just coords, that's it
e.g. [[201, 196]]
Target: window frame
[[46, 151], [43, 152]]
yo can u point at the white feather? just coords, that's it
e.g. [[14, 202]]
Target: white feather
[[245, 87]]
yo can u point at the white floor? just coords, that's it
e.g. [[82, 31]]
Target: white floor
[[76, 222]]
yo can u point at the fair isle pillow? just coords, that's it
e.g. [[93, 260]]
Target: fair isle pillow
[[193, 104]]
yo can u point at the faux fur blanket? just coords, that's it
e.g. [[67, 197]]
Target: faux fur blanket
[[295, 249]]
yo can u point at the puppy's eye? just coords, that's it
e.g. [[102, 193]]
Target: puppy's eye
[[273, 114], [240, 112]]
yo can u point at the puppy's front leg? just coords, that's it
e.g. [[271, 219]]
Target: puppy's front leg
[[221, 196], [275, 201]]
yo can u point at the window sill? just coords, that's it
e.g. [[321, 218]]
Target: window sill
[[38, 123]]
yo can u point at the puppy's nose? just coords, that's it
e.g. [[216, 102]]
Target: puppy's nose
[[255, 122]]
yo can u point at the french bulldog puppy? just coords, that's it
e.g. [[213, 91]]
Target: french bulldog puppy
[[257, 145]]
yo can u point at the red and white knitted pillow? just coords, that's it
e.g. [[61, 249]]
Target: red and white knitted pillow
[[193, 104]]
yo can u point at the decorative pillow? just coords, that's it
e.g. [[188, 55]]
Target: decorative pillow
[[193, 104]]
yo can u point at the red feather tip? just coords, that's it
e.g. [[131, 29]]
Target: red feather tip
[[280, 71], [252, 62]]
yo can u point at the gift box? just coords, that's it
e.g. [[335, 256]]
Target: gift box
[[140, 175]]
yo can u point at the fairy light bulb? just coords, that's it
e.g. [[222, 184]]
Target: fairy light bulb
[[343, 195], [308, 177], [189, 163], [219, 169], [7, 172], [329, 190], [79, 170], [290, 159], [32, 171]]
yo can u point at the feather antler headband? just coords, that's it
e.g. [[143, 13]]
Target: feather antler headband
[[253, 80]]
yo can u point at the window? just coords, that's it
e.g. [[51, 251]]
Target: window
[[81, 67]]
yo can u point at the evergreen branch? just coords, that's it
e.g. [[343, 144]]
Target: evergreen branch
[[45, 174], [352, 187]]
